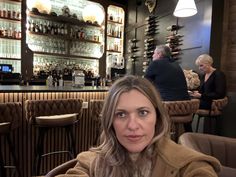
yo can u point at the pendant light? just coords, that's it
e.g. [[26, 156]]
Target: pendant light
[[185, 8]]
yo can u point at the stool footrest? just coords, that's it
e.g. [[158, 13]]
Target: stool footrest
[[56, 152]]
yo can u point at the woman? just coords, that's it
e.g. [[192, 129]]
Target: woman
[[213, 83], [135, 139]]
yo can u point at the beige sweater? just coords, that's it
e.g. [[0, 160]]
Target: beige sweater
[[173, 160]]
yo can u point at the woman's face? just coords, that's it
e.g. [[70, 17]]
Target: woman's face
[[134, 121], [203, 67]]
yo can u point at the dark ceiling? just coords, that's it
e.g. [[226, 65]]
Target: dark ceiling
[[124, 2]]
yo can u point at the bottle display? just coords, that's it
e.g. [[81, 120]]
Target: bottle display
[[151, 30], [174, 40], [115, 38], [10, 34], [65, 34], [62, 67]]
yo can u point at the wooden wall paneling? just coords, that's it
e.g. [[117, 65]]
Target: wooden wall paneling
[[228, 57]]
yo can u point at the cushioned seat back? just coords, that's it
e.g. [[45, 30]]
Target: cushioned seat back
[[218, 105], [181, 111], [222, 148], [95, 109], [35, 108], [184, 107], [11, 113]]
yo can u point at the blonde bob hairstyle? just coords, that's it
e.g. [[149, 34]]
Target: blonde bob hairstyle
[[113, 159], [204, 59]]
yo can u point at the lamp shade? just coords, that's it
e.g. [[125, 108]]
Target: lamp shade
[[185, 8]]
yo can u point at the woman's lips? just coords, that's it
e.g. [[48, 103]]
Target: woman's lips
[[134, 138]]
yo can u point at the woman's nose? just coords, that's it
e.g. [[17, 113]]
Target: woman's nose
[[133, 123]]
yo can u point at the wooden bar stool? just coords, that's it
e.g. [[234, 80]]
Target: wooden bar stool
[[180, 112], [10, 119], [217, 107], [53, 114]]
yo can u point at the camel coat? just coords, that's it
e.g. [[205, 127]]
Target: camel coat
[[173, 160]]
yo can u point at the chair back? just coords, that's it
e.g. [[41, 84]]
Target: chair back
[[218, 106], [10, 116], [35, 108], [181, 111], [222, 148]]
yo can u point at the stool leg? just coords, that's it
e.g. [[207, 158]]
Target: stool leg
[[198, 121], [71, 140], [2, 169], [39, 151], [12, 150], [176, 131]]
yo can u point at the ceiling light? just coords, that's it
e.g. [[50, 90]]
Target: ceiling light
[[185, 8]]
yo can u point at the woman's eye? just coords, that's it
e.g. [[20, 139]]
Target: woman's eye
[[143, 113], [120, 114]]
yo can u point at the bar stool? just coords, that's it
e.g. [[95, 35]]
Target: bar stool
[[52, 114], [217, 107], [10, 119], [95, 111], [180, 112]]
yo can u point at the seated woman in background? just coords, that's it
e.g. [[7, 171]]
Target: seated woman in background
[[213, 82], [135, 139]]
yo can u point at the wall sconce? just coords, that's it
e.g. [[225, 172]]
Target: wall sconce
[[185, 8], [94, 14], [42, 6]]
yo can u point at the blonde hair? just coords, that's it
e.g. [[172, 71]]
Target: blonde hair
[[204, 59], [113, 159]]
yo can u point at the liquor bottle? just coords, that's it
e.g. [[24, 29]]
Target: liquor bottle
[[134, 40], [174, 27], [174, 36], [148, 40], [175, 53], [174, 40]]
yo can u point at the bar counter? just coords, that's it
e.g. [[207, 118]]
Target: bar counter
[[25, 136], [18, 88]]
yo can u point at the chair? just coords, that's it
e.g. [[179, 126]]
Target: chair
[[51, 114], [180, 112], [10, 120], [61, 169], [95, 111], [222, 148], [217, 107]]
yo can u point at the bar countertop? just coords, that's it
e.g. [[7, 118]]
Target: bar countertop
[[18, 88]]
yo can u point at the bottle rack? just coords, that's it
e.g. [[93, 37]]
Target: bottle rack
[[149, 43], [115, 39], [133, 49], [62, 35], [10, 34], [174, 40]]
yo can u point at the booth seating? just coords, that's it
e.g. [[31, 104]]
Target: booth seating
[[46, 115], [180, 112], [222, 148], [95, 111], [215, 112], [10, 120]]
